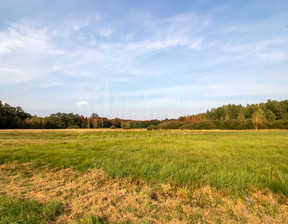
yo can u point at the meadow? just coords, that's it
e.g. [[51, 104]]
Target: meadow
[[140, 176]]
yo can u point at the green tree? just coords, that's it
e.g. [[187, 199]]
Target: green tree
[[258, 118], [227, 117], [270, 116], [94, 115], [181, 119], [34, 122], [125, 125], [276, 108], [241, 118]]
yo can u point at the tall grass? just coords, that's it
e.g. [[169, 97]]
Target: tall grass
[[233, 161]]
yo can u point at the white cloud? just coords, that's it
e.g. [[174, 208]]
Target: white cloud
[[274, 56], [136, 48], [105, 32], [11, 70], [24, 53], [20, 38], [51, 84], [40, 51], [270, 50], [255, 45], [78, 24], [82, 103]]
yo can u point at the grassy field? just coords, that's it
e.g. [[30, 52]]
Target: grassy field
[[146, 176]]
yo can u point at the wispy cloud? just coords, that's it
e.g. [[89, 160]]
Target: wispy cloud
[[159, 57], [105, 32], [25, 53], [20, 38], [99, 57], [270, 50]]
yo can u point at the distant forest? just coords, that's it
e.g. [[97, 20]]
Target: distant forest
[[270, 115]]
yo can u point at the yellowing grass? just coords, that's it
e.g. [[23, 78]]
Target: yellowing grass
[[122, 200], [150, 176]]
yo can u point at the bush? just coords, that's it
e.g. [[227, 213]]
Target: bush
[[152, 127], [113, 127], [231, 125], [73, 126], [188, 126], [171, 125], [205, 125], [278, 124], [125, 125]]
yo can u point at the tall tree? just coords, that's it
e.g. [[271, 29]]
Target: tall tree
[[258, 118], [241, 118], [270, 116]]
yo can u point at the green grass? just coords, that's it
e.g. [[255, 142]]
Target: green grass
[[13, 210], [225, 160], [91, 220]]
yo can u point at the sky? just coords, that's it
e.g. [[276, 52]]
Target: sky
[[141, 59]]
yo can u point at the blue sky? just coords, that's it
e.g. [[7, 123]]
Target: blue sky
[[141, 59]]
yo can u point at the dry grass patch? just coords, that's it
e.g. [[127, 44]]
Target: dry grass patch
[[123, 200]]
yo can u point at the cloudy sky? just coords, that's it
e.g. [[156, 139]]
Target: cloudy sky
[[141, 59]]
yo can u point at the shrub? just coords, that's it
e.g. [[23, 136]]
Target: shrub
[[113, 127], [152, 127], [125, 125], [188, 126], [73, 126], [205, 125], [278, 124], [171, 125]]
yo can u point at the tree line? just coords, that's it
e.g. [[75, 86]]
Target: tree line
[[272, 114], [17, 118]]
